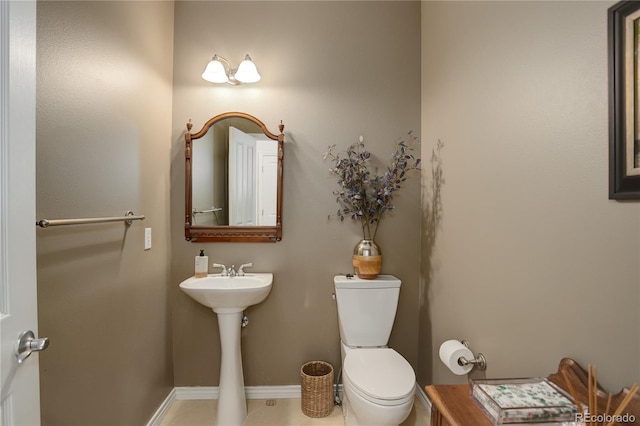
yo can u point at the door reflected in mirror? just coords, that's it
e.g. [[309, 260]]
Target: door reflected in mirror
[[234, 181], [234, 177]]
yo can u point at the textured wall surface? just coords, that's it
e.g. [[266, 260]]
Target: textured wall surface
[[532, 262], [332, 71], [103, 147]]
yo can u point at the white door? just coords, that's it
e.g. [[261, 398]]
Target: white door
[[267, 182], [242, 178], [20, 400]]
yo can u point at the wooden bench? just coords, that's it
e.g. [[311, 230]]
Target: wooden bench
[[452, 405]]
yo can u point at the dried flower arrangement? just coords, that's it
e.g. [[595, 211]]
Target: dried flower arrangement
[[363, 194]]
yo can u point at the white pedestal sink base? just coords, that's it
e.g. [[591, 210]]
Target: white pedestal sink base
[[232, 404]]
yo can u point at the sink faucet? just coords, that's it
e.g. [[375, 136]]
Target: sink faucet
[[231, 272]]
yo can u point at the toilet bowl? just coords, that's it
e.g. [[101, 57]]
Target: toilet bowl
[[379, 387]]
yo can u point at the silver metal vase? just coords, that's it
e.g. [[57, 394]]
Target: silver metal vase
[[367, 259]]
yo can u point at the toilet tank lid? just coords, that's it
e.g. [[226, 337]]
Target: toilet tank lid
[[383, 281]]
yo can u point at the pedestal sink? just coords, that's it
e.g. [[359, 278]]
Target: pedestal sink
[[228, 297]]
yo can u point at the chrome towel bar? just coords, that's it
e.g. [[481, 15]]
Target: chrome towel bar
[[128, 218]]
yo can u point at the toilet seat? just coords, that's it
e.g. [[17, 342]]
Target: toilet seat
[[380, 375]]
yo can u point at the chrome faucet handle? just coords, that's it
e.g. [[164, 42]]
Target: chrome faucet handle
[[244, 265], [224, 271]]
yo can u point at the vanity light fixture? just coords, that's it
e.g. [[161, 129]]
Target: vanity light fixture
[[219, 71]]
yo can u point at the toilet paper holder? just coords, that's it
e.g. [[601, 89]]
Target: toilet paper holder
[[479, 361]]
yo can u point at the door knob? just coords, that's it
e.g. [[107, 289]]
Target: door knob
[[27, 343]]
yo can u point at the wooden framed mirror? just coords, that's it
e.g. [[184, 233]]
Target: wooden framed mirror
[[233, 180]]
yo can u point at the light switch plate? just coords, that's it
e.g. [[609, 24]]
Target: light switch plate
[[147, 238]]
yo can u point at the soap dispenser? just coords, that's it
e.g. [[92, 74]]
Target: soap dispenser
[[202, 265]]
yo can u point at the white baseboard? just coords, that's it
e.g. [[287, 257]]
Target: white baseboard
[[423, 398], [252, 392], [162, 411]]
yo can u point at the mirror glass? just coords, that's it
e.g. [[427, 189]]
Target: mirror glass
[[234, 181]]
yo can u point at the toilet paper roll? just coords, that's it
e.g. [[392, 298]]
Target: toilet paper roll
[[450, 352]]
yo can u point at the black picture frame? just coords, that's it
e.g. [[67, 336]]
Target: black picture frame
[[624, 101]]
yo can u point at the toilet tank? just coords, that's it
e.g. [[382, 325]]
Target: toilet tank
[[366, 309]]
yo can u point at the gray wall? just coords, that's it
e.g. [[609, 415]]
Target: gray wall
[[332, 71], [103, 147], [532, 261]]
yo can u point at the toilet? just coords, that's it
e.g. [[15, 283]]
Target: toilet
[[378, 383]]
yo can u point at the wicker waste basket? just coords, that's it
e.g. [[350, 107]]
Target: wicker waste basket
[[317, 388]]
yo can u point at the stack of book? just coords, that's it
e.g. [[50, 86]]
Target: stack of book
[[531, 400]]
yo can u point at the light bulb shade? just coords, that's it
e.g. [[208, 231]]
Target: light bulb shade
[[215, 72], [247, 71]]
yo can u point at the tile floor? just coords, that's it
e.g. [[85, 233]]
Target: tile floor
[[285, 412]]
